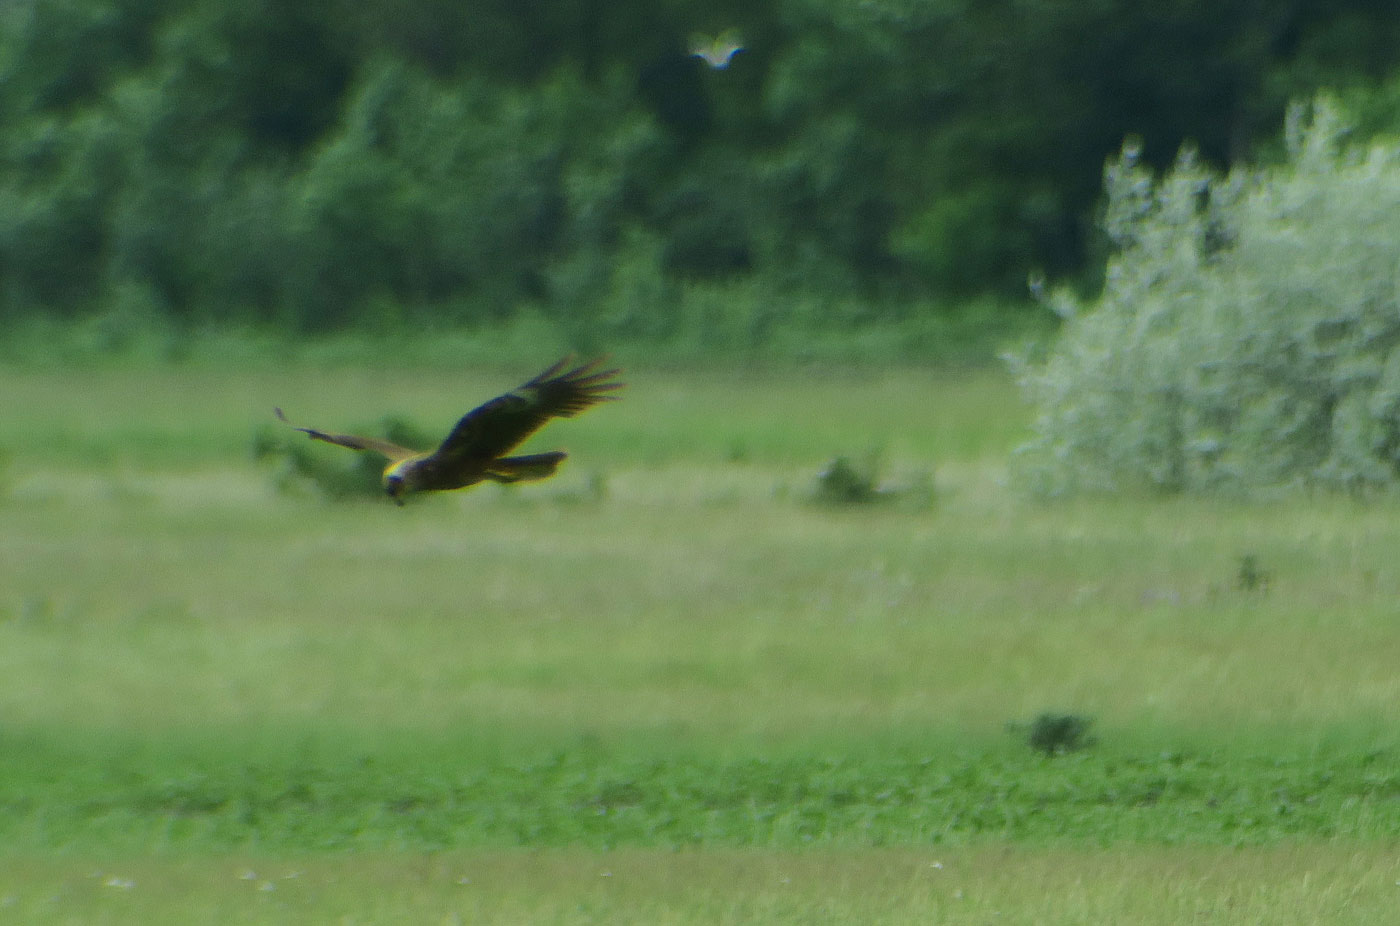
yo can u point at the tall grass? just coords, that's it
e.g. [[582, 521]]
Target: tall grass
[[1337, 884], [192, 658]]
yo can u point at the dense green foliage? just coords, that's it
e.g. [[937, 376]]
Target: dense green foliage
[[433, 796], [328, 163], [1248, 335]]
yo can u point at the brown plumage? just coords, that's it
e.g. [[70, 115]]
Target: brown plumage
[[476, 448]]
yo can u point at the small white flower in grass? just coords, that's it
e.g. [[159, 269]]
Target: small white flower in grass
[[606, 874], [247, 874], [938, 865], [124, 884], [267, 886]]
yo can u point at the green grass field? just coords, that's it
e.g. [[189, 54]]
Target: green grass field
[[666, 686]]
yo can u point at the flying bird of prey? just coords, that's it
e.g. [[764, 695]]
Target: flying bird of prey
[[476, 448], [717, 52]]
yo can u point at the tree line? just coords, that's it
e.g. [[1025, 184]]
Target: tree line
[[333, 163]]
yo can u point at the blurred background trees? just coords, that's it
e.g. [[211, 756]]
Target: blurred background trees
[[333, 164]]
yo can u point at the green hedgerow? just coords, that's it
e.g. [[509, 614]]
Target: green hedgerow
[[1248, 333]]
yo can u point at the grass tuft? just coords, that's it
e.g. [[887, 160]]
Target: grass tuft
[[1056, 734]]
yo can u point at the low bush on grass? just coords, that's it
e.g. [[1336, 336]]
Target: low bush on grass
[[1056, 734], [844, 481]]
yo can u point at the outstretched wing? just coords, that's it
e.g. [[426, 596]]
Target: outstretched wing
[[387, 448], [489, 432]]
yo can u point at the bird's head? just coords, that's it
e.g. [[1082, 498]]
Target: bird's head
[[396, 483]]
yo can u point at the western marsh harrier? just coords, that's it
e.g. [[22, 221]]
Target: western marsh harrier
[[477, 447]]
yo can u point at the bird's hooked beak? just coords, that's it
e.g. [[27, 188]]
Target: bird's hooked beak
[[393, 485]]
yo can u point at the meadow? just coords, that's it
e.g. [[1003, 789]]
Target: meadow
[[668, 685]]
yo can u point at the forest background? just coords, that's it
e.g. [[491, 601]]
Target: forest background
[[335, 166]]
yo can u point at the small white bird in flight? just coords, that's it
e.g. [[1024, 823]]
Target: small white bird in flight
[[717, 52]]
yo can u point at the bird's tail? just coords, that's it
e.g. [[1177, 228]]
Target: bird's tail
[[523, 469]]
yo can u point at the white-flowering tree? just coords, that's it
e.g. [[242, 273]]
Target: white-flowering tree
[[1248, 332]]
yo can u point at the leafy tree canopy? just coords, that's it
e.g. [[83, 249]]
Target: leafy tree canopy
[[330, 163]]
